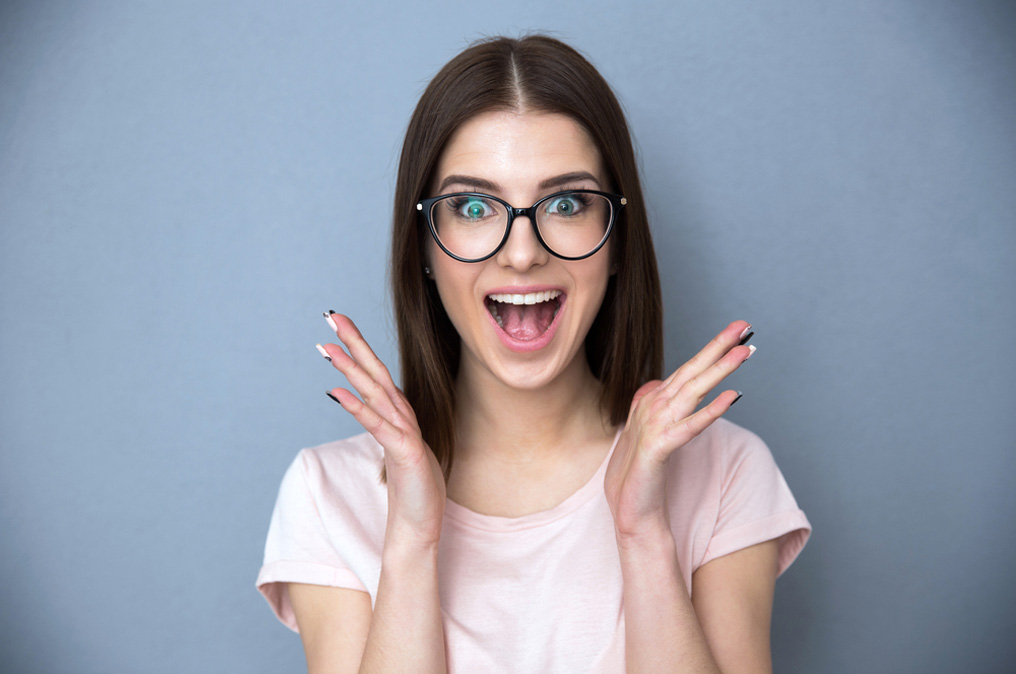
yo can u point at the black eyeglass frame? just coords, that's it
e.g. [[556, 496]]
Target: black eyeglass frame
[[426, 206]]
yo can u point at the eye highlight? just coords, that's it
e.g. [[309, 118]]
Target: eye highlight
[[567, 205], [471, 208]]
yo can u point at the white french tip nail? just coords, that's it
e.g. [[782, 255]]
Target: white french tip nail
[[331, 323], [744, 333], [751, 350], [322, 351]]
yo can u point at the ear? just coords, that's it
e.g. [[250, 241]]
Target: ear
[[428, 268]]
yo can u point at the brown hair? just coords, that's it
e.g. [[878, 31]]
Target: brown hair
[[625, 342]]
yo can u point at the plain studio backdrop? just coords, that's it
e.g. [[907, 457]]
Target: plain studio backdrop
[[186, 186]]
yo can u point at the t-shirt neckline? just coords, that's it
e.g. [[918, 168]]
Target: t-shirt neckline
[[471, 518]]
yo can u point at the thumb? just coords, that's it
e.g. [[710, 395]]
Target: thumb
[[642, 392]]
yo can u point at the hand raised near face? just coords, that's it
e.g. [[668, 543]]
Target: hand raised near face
[[416, 486], [662, 418]]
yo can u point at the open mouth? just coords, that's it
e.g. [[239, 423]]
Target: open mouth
[[524, 317]]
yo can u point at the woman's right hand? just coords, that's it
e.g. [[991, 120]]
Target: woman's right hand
[[416, 486]]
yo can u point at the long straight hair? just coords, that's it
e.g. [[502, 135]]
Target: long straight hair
[[536, 73]]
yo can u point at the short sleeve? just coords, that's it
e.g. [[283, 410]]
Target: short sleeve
[[756, 505], [298, 549]]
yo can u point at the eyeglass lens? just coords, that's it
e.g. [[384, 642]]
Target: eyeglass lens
[[572, 224]]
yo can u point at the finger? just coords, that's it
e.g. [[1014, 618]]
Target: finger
[[717, 347], [372, 391], [388, 435], [360, 350], [695, 389], [681, 432], [364, 356], [394, 404]]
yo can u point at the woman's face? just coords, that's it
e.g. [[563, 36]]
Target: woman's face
[[520, 157]]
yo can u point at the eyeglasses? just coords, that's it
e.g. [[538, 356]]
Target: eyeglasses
[[472, 227]]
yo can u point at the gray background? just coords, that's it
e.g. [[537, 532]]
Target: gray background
[[185, 186]]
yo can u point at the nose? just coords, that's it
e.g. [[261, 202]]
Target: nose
[[522, 250]]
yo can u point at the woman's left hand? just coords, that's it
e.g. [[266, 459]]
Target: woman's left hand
[[662, 419]]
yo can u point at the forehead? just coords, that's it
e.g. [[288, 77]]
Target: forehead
[[511, 148]]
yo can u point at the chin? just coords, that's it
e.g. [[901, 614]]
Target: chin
[[536, 369]]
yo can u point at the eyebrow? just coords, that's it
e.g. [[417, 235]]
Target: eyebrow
[[481, 184]]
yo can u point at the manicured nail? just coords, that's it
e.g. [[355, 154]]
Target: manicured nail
[[745, 338], [751, 350], [331, 322], [329, 394], [739, 394], [324, 353], [744, 333]]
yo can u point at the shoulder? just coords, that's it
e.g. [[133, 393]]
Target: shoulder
[[730, 479], [330, 513], [328, 524], [701, 472], [341, 479], [730, 437], [347, 460], [721, 450]]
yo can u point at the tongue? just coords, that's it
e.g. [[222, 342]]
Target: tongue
[[526, 321]]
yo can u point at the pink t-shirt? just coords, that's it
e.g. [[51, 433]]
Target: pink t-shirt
[[539, 593]]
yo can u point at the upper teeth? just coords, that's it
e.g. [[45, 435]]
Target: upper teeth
[[528, 298]]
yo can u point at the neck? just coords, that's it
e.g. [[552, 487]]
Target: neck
[[497, 421]]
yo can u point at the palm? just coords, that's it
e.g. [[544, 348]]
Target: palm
[[662, 419], [416, 486], [635, 482]]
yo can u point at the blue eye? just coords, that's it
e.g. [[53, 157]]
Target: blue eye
[[472, 208], [566, 205]]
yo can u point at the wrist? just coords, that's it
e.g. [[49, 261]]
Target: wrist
[[652, 538], [403, 551], [648, 529]]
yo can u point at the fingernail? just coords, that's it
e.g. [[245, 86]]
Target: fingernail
[[744, 334], [329, 394], [331, 322], [745, 337], [739, 394], [751, 350], [324, 353]]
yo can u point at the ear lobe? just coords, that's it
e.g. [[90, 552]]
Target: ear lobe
[[425, 259]]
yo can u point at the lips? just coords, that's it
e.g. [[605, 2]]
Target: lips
[[525, 321]]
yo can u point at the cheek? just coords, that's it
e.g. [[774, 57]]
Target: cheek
[[597, 282], [456, 282], [601, 267]]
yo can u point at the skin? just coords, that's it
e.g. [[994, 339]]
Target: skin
[[552, 389], [726, 628], [513, 154]]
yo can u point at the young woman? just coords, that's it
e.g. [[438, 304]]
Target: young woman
[[546, 502]]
